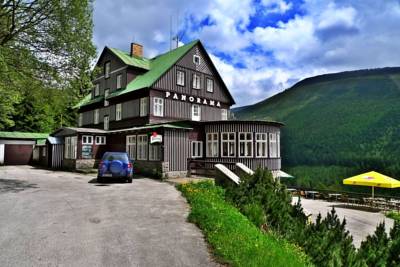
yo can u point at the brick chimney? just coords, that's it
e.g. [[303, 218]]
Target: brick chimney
[[136, 50]]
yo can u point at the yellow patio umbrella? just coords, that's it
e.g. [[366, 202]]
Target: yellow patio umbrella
[[373, 179]]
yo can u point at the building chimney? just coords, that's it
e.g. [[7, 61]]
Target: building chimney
[[136, 50]]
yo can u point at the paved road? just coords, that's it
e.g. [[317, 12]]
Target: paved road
[[62, 219], [359, 223]]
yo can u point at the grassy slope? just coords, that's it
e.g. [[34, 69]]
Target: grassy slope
[[235, 240], [348, 121]]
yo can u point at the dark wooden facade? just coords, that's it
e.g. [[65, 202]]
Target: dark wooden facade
[[178, 102]]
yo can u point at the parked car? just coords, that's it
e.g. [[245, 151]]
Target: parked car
[[115, 165]]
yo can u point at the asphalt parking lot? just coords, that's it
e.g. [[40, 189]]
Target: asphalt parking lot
[[66, 219]]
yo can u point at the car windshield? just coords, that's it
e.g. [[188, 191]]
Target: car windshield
[[115, 156]]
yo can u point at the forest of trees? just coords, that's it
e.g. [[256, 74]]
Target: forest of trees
[[45, 54]]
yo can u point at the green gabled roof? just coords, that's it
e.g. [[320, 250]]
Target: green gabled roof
[[87, 100], [158, 66], [23, 135], [134, 61]]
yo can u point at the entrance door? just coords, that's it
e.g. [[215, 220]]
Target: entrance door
[[1, 154]]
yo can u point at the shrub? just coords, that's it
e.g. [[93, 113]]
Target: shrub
[[255, 213]]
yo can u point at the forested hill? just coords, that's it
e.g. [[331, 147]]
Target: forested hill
[[347, 119]]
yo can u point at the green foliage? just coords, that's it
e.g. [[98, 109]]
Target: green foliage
[[234, 239], [393, 215], [350, 119], [255, 213], [374, 250], [45, 56]]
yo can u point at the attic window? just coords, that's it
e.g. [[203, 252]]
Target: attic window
[[107, 66], [196, 59]]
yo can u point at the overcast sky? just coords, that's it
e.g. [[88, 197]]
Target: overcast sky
[[260, 47]]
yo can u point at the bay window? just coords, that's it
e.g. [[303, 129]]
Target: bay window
[[261, 145], [158, 106], [272, 146], [245, 145], [228, 144]]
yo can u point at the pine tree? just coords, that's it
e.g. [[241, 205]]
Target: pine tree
[[374, 250]]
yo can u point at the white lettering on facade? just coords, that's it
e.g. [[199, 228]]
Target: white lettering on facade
[[193, 99]]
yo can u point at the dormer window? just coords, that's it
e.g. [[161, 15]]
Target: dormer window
[[196, 59], [107, 67], [97, 89], [119, 81]]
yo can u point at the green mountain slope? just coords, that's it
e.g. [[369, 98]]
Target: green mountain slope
[[347, 119]]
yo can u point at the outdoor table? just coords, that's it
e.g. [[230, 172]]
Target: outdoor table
[[313, 193], [334, 195]]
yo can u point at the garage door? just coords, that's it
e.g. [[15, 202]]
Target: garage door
[[17, 154]]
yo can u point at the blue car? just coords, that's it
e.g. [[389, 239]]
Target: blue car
[[115, 165]]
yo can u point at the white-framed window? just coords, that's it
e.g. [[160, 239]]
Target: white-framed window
[[196, 84], [224, 114], [118, 112], [212, 145], [87, 140], [106, 93], [210, 85], [261, 145], [196, 148], [142, 141], [143, 106], [80, 119], [196, 59], [131, 146], [96, 116], [158, 106], [154, 151], [107, 67], [196, 112], [100, 140], [96, 89], [245, 145], [228, 144], [278, 145], [272, 145], [180, 77], [119, 81], [106, 122], [70, 144]]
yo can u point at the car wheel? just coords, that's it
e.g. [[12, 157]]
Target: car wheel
[[129, 180]]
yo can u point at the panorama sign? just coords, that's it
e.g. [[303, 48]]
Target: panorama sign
[[192, 99]]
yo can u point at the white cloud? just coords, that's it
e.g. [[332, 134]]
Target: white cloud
[[327, 36]]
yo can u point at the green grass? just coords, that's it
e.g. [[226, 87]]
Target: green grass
[[234, 239], [393, 215]]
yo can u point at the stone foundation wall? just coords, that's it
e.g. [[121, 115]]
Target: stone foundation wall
[[86, 163], [150, 168]]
